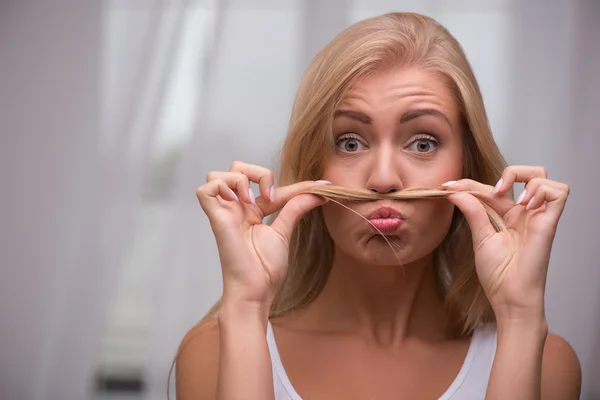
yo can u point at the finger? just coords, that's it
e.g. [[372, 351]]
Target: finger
[[553, 198], [476, 216], [468, 184], [261, 175], [518, 173], [284, 194], [237, 181], [532, 186], [209, 192], [292, 213], [501, 204]]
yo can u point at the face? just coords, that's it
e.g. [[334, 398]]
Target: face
[[394, 130]]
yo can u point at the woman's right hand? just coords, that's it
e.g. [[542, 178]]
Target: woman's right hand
[[254, 256]]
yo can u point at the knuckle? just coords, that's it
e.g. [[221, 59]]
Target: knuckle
[[236, 166], [564, 187], [219, 182], [241, 179], [270, 175], [542, 171], [534, 183]]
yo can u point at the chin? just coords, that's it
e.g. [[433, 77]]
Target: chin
[[376, 250]]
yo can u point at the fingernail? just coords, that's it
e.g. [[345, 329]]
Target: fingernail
[[530, 203], [323, 182], [522, 196], [498, 185], [449, 183], [272, 194], [251, 194], [234, 195]]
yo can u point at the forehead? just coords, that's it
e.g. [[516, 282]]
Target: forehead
[[402, 87]]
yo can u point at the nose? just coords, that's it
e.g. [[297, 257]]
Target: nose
[[384, 176]]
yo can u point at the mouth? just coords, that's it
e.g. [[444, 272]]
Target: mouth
[[385, 220]]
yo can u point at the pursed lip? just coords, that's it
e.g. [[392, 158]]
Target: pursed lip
[[384, 212], [385, 220]]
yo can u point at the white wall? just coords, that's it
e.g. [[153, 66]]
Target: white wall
[[555, 123], [49, 104]]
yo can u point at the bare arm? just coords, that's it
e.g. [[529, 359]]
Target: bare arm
[[530, 364], [561, 371], [512, 267], [517, 369], [226, 358], [197, 363], [245, 365], [254, 260]]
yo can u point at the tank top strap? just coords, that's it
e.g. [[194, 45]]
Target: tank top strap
[[470, 383], [473, 377], [281, 382]]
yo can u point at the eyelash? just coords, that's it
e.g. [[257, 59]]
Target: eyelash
[[348, 136], [426, 136], [423, 137], [418, 137]]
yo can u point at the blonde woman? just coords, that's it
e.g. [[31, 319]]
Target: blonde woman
[[390, 298]]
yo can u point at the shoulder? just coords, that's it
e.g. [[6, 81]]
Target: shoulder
[[197, 362], [561, 371]]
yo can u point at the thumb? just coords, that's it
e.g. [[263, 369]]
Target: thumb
[[476, 216], [291, 214]]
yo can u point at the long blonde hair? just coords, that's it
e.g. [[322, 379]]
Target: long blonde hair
[[392, 40]]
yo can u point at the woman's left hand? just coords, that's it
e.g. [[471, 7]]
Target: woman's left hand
[[512, 265]]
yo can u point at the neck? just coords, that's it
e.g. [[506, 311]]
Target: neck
[[388, 303]]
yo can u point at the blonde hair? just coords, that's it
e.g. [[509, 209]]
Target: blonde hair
[[393, 40]]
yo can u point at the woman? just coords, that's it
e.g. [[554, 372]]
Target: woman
[[426, 300]]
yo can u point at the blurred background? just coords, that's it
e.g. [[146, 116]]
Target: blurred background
[[113, 111]]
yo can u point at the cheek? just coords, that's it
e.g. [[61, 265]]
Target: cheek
[[348, 172], [338, 175], [343, 225], [434, 220], [454, 164], [337, 219], [448, 169]]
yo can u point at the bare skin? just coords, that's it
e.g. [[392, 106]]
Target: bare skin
[[379, 330]]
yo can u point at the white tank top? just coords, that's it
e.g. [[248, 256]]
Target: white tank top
[[470, 383]]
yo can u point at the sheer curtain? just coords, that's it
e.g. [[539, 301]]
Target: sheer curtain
[[114, 112]]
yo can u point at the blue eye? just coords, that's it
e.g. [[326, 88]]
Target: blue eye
[[349, 144]]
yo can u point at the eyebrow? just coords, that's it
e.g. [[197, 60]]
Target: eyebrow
[[407, 116], [412, 114], [354, 115]]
